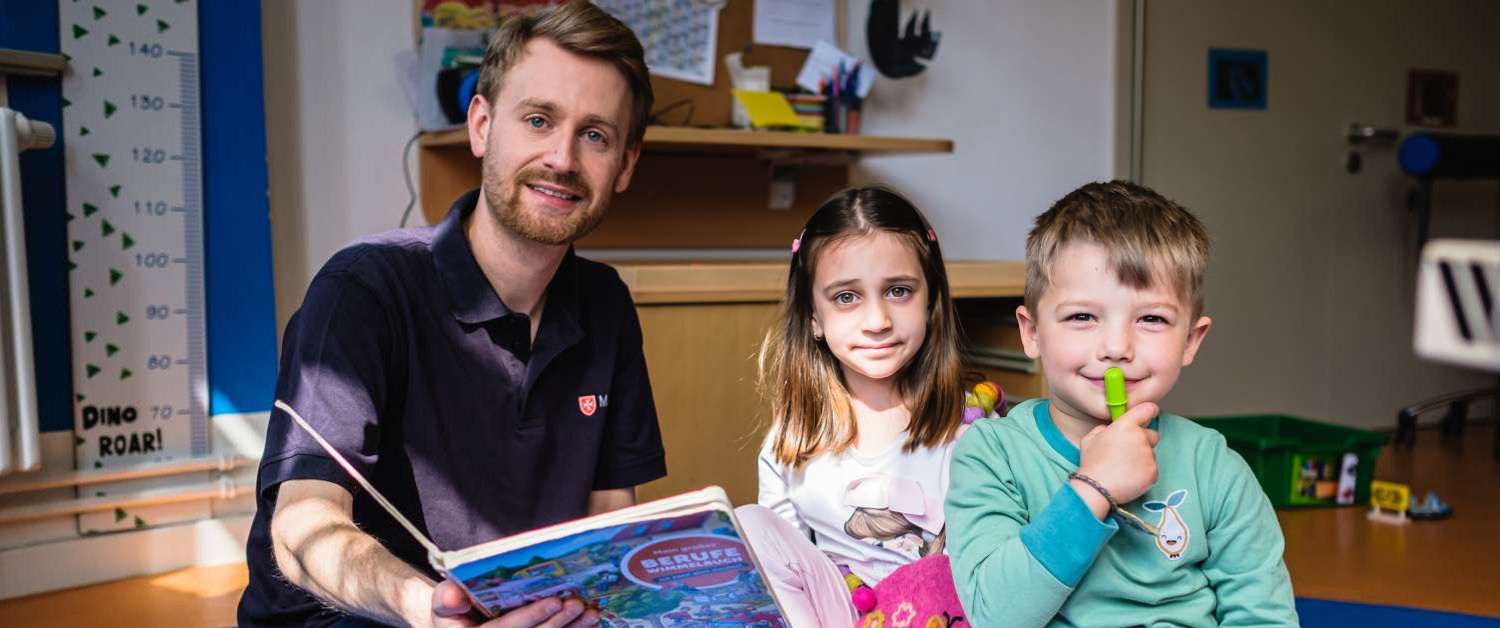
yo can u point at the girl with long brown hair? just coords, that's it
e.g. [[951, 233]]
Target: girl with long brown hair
[[862, 371]]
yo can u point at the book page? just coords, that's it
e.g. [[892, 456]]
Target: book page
[[709, 498], [673, 570]]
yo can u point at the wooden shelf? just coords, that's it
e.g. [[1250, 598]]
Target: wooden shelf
[[689, 171], [735, 140], [765, 282]]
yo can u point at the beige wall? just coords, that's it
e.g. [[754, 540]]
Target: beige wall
[[1313, 274], [336, 121]]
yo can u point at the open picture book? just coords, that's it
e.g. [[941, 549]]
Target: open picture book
[[677, 561]]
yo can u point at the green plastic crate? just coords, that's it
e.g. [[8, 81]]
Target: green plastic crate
[[1296, 459]]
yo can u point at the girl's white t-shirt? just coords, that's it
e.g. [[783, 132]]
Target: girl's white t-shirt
[[872, 512]]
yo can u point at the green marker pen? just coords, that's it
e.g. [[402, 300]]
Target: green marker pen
[[1114, 391]]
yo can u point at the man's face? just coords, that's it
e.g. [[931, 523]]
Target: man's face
[[553, 143], [1087, 321]]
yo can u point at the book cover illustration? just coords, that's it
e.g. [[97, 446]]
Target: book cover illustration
[[689, 570]]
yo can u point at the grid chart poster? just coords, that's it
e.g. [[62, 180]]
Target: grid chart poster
[[679, 36], [131, 154]]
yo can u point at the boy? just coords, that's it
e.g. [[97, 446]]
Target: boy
[[1057, 515]]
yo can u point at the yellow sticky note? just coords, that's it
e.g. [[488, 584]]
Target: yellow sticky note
[[767, 109]]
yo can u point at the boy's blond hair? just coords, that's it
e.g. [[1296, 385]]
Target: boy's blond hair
[[1146, 237]]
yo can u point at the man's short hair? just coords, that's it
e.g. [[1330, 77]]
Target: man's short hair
[[1146, 237], [581, 28]]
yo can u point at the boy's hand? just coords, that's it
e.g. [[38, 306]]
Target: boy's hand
[[1120, 457]]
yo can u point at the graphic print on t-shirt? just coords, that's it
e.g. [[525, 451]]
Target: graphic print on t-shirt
[[889, 529], [1171, 532]]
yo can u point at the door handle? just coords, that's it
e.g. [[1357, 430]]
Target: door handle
[[1373, 136]]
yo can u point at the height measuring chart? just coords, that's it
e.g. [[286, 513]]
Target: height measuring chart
[[135, 245]]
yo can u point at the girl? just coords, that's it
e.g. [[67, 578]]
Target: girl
[[863, 374]]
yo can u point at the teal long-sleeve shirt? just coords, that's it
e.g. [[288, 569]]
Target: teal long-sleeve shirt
[[1027, 551]]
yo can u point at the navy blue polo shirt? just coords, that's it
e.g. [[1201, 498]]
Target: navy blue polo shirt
[[406, 360]]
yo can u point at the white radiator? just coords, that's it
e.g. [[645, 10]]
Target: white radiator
[[20, 448]]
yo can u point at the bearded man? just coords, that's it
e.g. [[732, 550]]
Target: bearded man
[[482, 376]]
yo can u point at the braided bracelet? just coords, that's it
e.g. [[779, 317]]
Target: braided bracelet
[[1097, 486], [1119, 512]]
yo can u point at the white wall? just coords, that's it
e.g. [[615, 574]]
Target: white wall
[[1024, 88], [336, 121], [1312, 281]]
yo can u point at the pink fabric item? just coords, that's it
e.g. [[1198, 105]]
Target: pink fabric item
[[809, 587], [919, 594]]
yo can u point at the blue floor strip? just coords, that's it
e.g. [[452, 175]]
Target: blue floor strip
[[1317, 613]]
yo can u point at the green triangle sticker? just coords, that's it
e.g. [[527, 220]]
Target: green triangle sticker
[[126, 241], [68, 216], [89, 209], [109, 109], [121, 318], [98, 464], [139, 523], [77, 244], [107, 228], [124, 374], [115, 276], [66, 102], [88, 293], [98, 72], [78, 396], [114, 190], [110, 350], [140, 9], [89, 336], [92, 370], [82, 131], [119, 514], [113, 41], [71, 265], [79, 31], [99, 13], [78, 440], [103, 159], [162, 26]]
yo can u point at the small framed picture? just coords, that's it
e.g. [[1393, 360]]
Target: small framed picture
[[1237, 79], [1431, 98]]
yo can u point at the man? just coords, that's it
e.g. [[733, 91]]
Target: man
[[484, 378]]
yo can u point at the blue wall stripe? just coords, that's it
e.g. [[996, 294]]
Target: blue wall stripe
[[241, 317], [27, 25]]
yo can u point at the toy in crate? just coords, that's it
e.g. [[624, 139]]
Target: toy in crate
[[1299, 462]]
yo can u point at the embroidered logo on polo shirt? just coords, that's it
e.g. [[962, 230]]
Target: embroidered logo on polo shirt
[[587, 404]]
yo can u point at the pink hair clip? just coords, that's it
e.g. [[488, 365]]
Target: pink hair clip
[[796, 244], [931, 235]]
